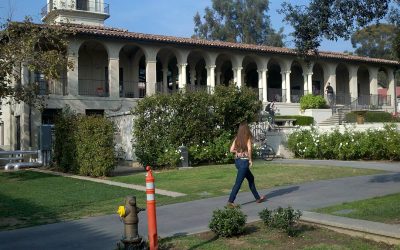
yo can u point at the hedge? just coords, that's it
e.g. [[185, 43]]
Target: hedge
[[372, 116], [84, 144]]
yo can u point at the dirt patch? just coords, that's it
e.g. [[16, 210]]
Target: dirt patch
[[257, 236]]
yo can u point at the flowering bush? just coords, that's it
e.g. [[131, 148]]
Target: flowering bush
[[379, 144], [202, 122]]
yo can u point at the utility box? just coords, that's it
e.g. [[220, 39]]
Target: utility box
[[184, 156], [45, 137]]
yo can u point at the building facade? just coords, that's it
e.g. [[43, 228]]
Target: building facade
[[114, 68]]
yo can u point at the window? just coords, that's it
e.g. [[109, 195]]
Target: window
[[99, 112], [82, 5], [49, 116]]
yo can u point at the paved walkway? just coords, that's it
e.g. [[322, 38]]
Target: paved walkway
[[190, 217]]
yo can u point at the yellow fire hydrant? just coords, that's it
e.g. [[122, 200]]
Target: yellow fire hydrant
[[129, 216]]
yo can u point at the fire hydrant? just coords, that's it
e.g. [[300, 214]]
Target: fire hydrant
[[129, 216]]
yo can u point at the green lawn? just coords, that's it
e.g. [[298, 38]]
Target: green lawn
[[384, 209], [211, 181], [31, 198]]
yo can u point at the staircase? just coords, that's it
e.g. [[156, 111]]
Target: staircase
[[337, 118]]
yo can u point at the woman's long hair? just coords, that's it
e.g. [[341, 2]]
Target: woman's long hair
[[242, 137]]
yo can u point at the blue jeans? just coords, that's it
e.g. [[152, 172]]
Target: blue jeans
[[242, 166]]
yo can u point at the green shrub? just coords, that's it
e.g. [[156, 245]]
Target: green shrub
[[301, 120], [378, 144], [281, 218], [371, 116], [95, 150], [227, 222], [202, 122], [64, 144], [311, 101]]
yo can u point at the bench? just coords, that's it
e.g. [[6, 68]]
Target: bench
[[289, 122]]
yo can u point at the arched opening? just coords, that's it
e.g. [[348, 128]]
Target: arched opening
[[197, 72], [250, 74], [317, 80], [274, 81], [224, 65], [131, 70], [93, 70], [363, 87], [167, 68], [342, 85], [296, 82]]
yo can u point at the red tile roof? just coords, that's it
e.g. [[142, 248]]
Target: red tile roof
[[125, 34]]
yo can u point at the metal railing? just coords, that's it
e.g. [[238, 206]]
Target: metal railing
[[372, 102], [258, 92], [132, 89], [93, 87], [54, 87], [295, 95], [278, 95], [342, 98], [89, 6]]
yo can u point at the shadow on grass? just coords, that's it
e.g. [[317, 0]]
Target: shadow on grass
[[17, 213], [386, 178], [23, 175]]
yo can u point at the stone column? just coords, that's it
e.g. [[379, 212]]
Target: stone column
[[211, 77], [392, 88], [330, 76], [73, 75], [286, 84], [165, 79], [262, 83], [307, 77], [373, 81], [218, 78], [113, 77], [151, 76], [353, 82], [192, 76], [182, 76], [237, 76]]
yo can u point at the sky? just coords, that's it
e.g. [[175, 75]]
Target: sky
[[160, 17]]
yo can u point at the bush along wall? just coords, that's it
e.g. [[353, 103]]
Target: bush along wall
[[84, 144], [372, 116], [204, 123], [377, 144]]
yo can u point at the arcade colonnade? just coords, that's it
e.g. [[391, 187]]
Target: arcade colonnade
[[133, 70]]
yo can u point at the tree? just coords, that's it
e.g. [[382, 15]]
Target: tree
[[375, 41], [238, 21], [40, 48], [334, 19]]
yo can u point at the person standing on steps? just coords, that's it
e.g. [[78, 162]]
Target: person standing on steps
[[242, 148], [329, 93]]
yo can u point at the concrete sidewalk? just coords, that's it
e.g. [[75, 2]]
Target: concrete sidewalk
[[191, 217]]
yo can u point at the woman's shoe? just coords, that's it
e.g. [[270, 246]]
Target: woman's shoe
[[231, 205], [261, 199]]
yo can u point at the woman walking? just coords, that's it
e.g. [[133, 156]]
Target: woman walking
[[242, 147]]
